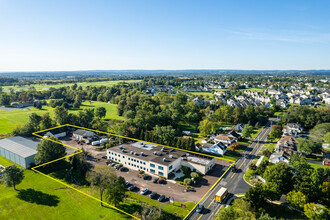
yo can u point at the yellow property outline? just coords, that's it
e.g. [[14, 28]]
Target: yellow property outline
[[108, 133]]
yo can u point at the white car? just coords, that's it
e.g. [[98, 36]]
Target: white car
[[144, 191]]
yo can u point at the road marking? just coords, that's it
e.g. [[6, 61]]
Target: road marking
[[206, 208]]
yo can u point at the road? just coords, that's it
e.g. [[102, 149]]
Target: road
[[233, 181]]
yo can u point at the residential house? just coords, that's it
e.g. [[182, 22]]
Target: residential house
[[292, 129], [218, 148], [279, 157], [287, 144]]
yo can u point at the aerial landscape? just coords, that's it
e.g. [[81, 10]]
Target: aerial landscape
[[161, 110]]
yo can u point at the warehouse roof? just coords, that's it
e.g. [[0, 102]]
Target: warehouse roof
[[19, 146]]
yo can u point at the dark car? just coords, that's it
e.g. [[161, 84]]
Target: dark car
[[152, 195], [145, 176], [199, 208], [131, 188], [127, 183], [160, 181], [161, 198], [155, 180], [122, 169], [104, 157]]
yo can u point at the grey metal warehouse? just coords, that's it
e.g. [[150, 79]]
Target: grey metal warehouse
[[19, 150]]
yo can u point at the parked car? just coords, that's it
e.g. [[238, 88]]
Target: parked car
[[161, 198], [112, 164], [155, 180], [161, 181], [122, 169], [152, 195], [145, 176], [104, 157], [116, 166], [200, 208], [143, 192], [131, 188], [127, 183]]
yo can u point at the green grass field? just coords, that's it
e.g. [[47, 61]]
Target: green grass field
[[9, 119], [43, 198], [205, 94], [44, 86]]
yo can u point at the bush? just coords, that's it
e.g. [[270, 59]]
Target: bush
[[194, 175], [267, 153], [187, 181], [252, 166], [141, 172]]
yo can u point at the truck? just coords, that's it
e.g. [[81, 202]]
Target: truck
[[221, 194]]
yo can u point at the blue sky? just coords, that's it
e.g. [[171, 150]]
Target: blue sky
[[164, 34]]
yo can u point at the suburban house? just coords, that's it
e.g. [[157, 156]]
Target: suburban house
[[279, 157], [218, 148], [292, 129], [326, 154], [224, 139], [287, 144], [19, 150], [233, 134], [82, 134], [157, 160]]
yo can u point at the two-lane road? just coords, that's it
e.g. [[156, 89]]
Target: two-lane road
[[233, 181]]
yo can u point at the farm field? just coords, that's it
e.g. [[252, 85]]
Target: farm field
[[39, 197], [44, 86], [9, 119]]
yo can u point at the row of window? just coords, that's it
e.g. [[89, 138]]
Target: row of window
[[154, 166], [159, 173], [139, 167], [132, 159]]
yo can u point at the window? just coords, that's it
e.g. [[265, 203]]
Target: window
[[171, 167], [118, 155], [160, 168], [137, 161], [152, 170], [152, 165], [123, 156], [144, 168], [115, 159], [115, 154], [140, 162], [129, 158], [112, 153], [161, 173], [119, 160], [144, 163], [134, 160], [138, 167], [129, 164]]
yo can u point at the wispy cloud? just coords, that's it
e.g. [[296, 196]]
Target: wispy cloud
[[283, 35]]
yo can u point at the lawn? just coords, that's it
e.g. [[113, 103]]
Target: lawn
[[255, 89], [42, 198], [256, 132], [209, 94], [269, 147], [316, 166], [5, 162], [44, 86], [9, 119]]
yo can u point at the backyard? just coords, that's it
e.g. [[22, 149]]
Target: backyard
[[9, 119]]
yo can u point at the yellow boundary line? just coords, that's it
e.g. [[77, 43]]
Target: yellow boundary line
[[113, 134]]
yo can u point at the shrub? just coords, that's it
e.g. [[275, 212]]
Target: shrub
[[252, 166], [267, 153], [187, 181]]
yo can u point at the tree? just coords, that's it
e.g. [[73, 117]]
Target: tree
[[187, 181], [206, 127], [256, 196], [266, 153], [102, 177], [46, 121], [4, 99], [194, 175], [280, 174], [307, 146], [319, 131], [247, 131], [297, 199], [13, 176], [316, 211], [100, 112], [276, 132], [265, 216], [61, 115], [34, 121], [48, 151], [116, 191], [326, 138]]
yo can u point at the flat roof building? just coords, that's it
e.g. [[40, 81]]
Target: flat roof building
[[157, 160], [19, 150]]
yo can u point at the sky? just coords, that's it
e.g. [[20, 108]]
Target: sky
[[164, 34]]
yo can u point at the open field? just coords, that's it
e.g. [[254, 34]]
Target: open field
[[42, 198], [44, 86], [209, 94], [9, 119]]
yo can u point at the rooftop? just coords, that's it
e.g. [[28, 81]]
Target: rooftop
[[20, 146]]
